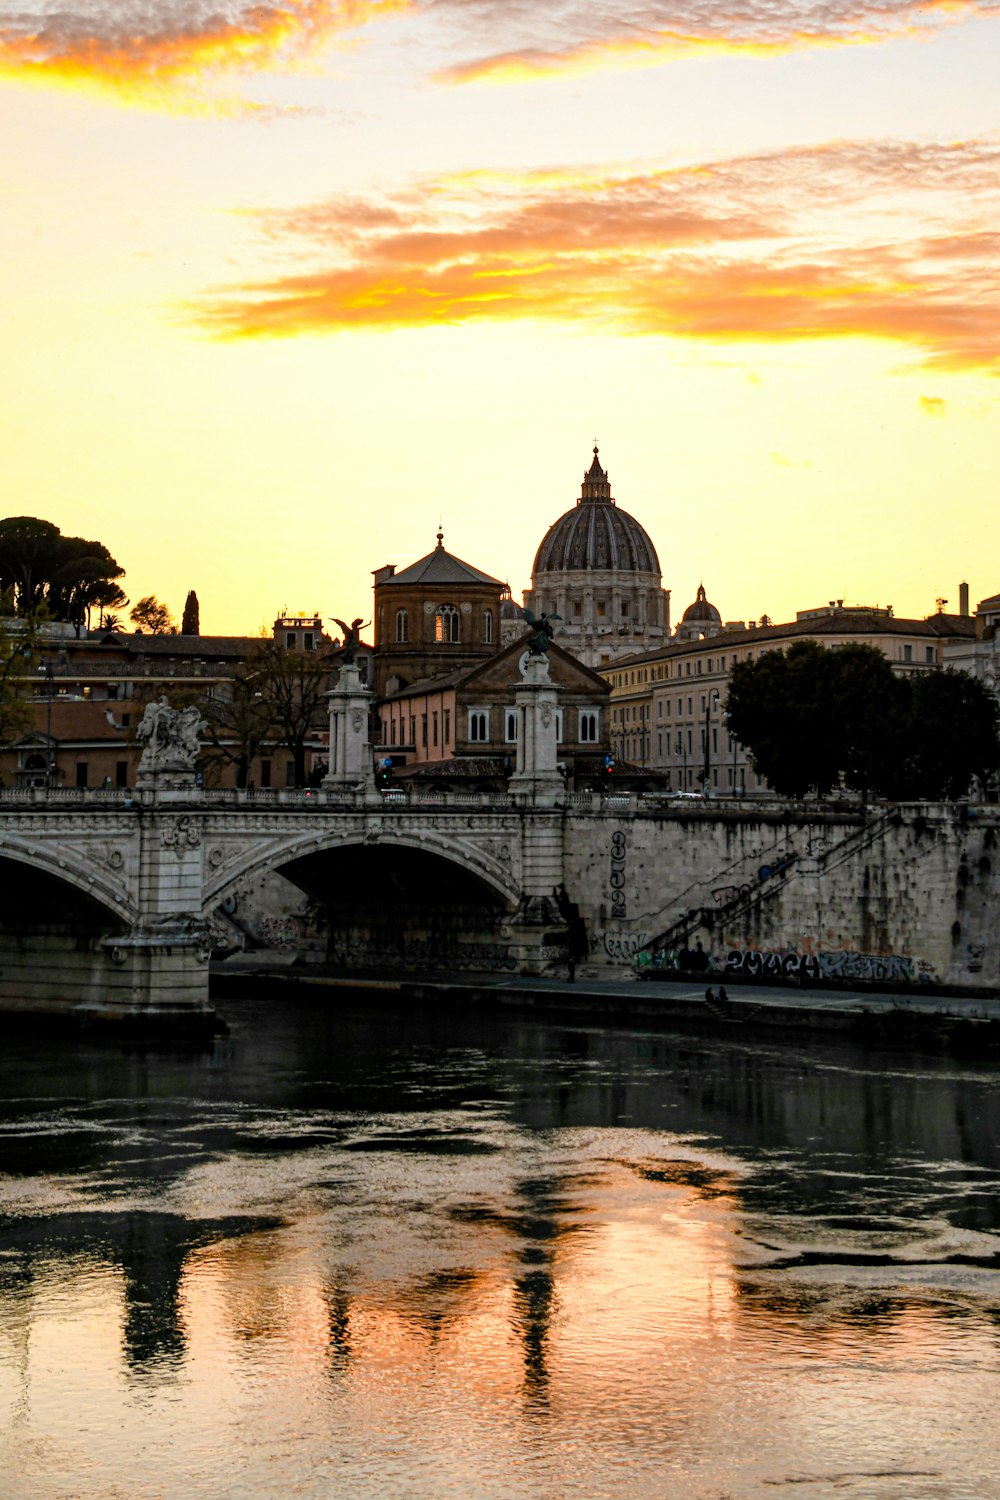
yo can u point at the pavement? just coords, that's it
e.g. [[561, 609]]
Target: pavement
[[669, 997]]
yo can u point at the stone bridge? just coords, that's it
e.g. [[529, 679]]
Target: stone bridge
[[113, 901]]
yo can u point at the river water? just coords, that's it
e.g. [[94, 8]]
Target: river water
[[351, 1251]]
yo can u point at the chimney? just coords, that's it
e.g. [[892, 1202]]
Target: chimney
[[963, 598]]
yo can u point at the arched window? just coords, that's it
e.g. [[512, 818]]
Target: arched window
[[488, 626], [402, 625], [446, 620]]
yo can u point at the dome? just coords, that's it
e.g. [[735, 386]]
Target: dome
[[701, 612], [596, 535], [508, 609]]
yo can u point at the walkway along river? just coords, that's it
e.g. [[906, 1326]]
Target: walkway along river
[[359, 1249]]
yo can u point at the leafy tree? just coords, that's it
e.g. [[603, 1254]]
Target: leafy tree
[[152, 616], [293, 687], [18, 660], [952, 734], [43, 571], [814, 718], [778, 708]]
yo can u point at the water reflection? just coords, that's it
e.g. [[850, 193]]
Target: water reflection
[[432, 1255]]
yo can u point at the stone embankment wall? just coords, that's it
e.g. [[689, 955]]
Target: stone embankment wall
[[894, 895]]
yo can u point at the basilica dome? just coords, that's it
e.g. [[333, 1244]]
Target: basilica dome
[[597, 574], [595, 535]]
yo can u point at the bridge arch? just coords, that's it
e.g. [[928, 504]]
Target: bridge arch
[[48, 874], [496, 875]]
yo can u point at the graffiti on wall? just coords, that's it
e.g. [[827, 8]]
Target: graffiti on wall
[[723, 894], [420, 953], [616, 878], [765, 963], [841, 964], [620, 946]]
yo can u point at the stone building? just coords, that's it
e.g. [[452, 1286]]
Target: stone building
[[87, 693], [464, 726], [668, 706], [435, 616], [979, 653], [597, 569]]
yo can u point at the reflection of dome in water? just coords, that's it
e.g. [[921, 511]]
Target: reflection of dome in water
[[701, 612], [596, 535]]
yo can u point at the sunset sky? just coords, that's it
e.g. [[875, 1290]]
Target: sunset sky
[[286, 284]]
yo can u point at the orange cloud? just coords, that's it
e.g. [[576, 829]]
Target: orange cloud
[[169, 53], [774, 247]]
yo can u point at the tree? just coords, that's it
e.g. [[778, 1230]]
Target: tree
[[152, 616], [293, 687], [239, 720], [813, 719], [952, 734], [18, 660], [190, 623], [778, 708], [42, 571]]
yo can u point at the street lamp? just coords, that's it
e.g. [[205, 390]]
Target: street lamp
[[679, 749], [711, 701], [46, 670]]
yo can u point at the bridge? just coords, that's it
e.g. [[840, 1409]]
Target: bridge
[[113, 899]]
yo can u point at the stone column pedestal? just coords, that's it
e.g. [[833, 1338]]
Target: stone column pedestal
[[351, 768], [537, 778]]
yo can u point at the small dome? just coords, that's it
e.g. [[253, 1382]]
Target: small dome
[[701, 611], [509, 610], [595, 534]]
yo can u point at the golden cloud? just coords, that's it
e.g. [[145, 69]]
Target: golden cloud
[[169, 53], [777, 247]]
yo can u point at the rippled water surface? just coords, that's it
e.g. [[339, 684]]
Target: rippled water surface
[[354, 1252]]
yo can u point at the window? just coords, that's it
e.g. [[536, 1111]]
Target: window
[[577, 609], [121, 773], [510, 717], [487, 626], [307, 641], [624, 609], [447, 726], [265, 773], [434, 728], [588, 726], [289, 773], [112, 691], [446, 623], [479, 725], [402, 625], [602, 607], [290, 640], [907, 653], [929, 654], [81, 773], [423, 730], [559, 726]]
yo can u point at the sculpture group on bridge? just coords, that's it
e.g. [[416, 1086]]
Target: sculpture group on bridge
[[170, 737]]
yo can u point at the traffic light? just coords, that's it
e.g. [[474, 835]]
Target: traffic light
[[609, 765], [383, 771]]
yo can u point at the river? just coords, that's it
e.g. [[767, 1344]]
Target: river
[[352, 1251]]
